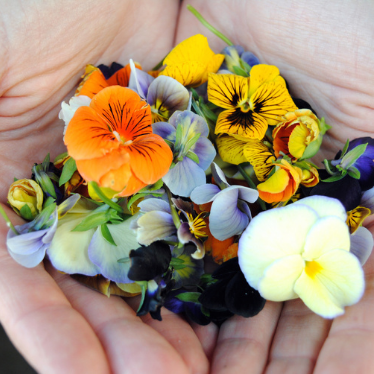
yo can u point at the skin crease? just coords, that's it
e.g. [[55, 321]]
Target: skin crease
[[324, 51]]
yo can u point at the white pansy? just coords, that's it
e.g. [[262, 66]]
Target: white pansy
[[302, 250]]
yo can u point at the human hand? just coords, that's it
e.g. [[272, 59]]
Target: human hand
[[324, 51], [59, 325]]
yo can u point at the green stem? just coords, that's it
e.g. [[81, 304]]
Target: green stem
[[174, 213], [251, 184], [7, 220], [105, 199], [208, 25]]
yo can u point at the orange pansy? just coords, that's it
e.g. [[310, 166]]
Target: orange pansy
[[93, 80], [113, 144]]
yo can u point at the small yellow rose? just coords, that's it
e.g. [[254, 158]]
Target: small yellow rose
[[25, 192]]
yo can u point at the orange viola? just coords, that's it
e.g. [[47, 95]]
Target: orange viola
[[93, 80], [282, 185], [113, 144]]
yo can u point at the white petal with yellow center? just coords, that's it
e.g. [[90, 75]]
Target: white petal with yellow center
[[331, 282], [328, 233], [280, 277], [272, 235]]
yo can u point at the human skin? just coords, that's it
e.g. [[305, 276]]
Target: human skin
[[324, 50]]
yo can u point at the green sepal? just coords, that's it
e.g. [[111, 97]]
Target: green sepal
[[46, 184], [46, 162], [60, 157], [346, 145], [354, 172], [205, 311], [107, 235], [191, 142], [25, 213], [323, 126], [312, 148], [329, 168], [143, 286], [208, 113], [124, 260], [42, 220], [67, 172], [15, 179], [246, 66], [195, 95], [190, 297], [176, 261], [193, 156], [97, 218], [178, 135], [352, 156], [240, 71], [206, 280], [50, 200]]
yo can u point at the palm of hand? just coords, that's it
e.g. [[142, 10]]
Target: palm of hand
[[323, 70]]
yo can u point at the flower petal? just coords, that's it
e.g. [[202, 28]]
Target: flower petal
[[144, 80], [68, 251], [260, 74], [165, 130], [227, 90], [105, 255], [150, 158], [206, 152], [289, 227], [362, 244], [205, 193], [184, 177], [154, 226], [154, 204], [338, 282], [226, 219], [231, 149], [279, 278]]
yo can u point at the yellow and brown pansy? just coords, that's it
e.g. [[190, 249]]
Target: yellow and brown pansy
[[356, 217], [251, 104]]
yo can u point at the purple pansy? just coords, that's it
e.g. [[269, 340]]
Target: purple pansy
[[187, 133], [229, 214]]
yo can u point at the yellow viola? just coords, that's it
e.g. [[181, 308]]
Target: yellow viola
[[26, 192], [191, 61], [251, 103]]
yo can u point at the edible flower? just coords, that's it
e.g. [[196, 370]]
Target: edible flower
[[251, 104], [113, 144], [187, 133], [229, 214], [281, 185], [306, 256], [191, 61], [297, 135], [26, 198]]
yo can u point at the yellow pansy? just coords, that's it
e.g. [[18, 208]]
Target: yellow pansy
[[191, 61], [251, 103]]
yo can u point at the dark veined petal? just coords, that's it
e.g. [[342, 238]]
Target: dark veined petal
[[261, 158], [246, 124], [231, 149], [272, 100], [227, 90]]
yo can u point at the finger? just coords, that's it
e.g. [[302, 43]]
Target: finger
[[243, 343], [350, 344], [208, 337], [130, 344], [298, 339], [41, 322]]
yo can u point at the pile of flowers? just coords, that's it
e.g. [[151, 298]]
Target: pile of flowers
[[206, 156]]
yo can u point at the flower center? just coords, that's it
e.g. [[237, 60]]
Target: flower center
[[197, 225], [312, 268], [121, 139]]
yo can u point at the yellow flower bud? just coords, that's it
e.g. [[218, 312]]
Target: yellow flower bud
[[26, 192]]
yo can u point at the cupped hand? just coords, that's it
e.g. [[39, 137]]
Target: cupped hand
[[57, 324], [325, 52]]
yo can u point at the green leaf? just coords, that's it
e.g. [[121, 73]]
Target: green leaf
[[240, 71], [179, 267], [195, 95], [107, 235], [352, 156], [354, 172], [143, 286], [334, 178], [92, 221], [329, 168], [60, 157], [346, 145], [46, 162], [323, 126], [193, 156], [50, 200], [209, 113], [67, 172], [25, 212], [192, 297], [42, 220], [176, 261]]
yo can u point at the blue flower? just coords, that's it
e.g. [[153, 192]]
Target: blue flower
[[193, 153], [230, 213]]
